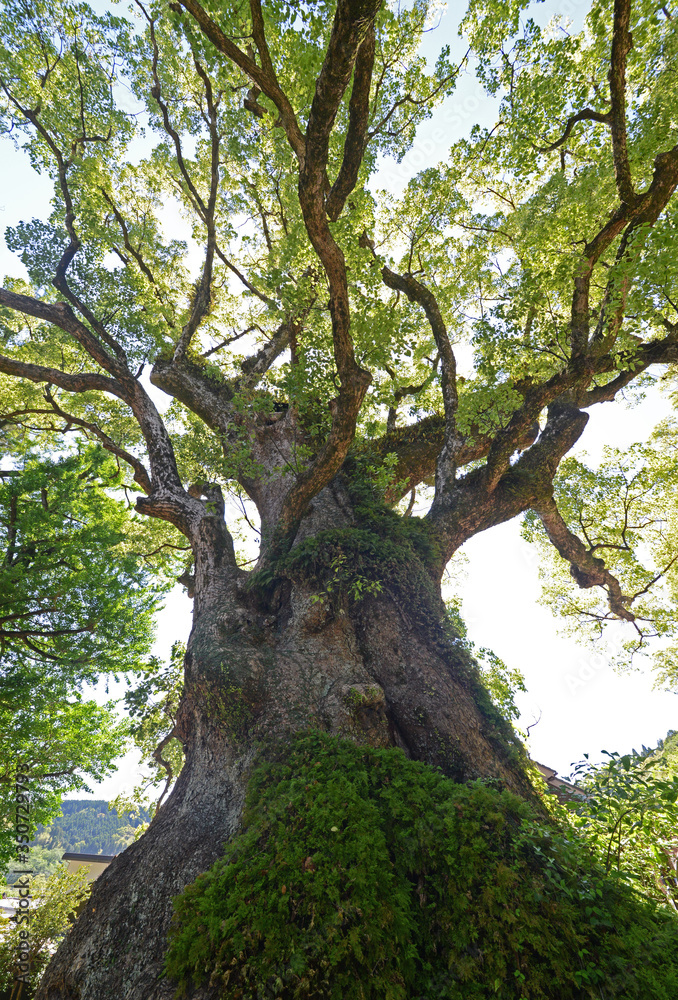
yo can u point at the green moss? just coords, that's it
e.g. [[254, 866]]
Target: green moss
[[195, 360], [382, 550], [365, 699], [362, 875]]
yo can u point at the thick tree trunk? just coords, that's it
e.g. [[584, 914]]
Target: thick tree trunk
[[257, 670]]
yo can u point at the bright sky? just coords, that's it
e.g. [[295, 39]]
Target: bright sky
[[583, 705]]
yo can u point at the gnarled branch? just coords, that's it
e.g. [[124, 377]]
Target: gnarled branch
[[468, 507], [82, 382], [164, 474], [586, 569]]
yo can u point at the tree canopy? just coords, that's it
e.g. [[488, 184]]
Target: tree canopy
[[456, 334], [76, 604], [225, 300]]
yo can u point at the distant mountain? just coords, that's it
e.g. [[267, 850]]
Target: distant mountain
[[88, 826]]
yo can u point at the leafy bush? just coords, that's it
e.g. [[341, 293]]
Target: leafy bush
[[55, 900], [362, 875], [629, 815]]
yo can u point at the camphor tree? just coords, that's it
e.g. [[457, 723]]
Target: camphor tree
[[308, 351]]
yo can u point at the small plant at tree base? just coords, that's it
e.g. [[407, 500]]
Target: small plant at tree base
[[362, 875]]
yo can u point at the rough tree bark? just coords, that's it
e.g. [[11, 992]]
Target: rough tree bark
[[266, 661], [259, 667]]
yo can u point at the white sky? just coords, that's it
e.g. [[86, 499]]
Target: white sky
[[585, 707]]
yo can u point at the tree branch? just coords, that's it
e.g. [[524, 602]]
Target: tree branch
[[259, 363], [582, 116], [352, 22], [61, 315], [585, 568], [83, 382], [141, 476], [497, 472], [657, 352], [227, 341], [259, 36], [468, 508], [406, 390], [132, 251], [423, 296], [59, 281], [616, 294], [417, 447], [202, 297], [156, 94], [417, 292], [188, 383], [248, 284], [204, 395], [123, 385], [621, 46], [645, 210], [267, 83], [356, 136], [166, 484], [158, 757]]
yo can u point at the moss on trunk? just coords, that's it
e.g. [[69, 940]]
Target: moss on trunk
[[362, 875]]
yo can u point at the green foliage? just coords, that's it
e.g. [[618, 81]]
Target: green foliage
[[502, 682], [59, 744], [630, 815], [624, 511], [43, 861], [360, 874], [76, 602], [152, 706], [55, 900]]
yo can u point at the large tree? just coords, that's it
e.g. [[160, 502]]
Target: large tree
[[308, 334]]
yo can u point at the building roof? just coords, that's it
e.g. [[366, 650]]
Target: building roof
[[559, 785], [99, 859]]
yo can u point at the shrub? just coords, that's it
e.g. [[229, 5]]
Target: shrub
[[56, 899]]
